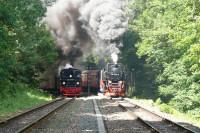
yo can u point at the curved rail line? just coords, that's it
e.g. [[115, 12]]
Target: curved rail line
[[154, 129], [33, 123]]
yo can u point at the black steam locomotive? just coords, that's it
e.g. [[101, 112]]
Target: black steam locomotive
[[113, 80], [70, 82]]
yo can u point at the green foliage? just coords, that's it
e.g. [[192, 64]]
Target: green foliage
[[140, 75], [26, 47], [166, 108], [91, 62], [169, 42], [23, 97]]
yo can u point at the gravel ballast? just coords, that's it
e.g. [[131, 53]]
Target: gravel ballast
[[118, 121], [77, 117]]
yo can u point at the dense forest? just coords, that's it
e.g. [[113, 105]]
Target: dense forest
[[26, 46], [167, 51], [161, 48], [26, 49]]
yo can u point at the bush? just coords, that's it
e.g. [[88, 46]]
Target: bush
[[22, 97]]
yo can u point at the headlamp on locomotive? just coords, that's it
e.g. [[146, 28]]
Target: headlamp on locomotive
[[70, 82], [115, 80]]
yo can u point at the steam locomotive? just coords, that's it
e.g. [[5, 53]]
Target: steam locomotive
[[70, 82], [113, 79]]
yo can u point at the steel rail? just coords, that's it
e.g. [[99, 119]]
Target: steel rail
[[29, 111], [33, 123], [153, 129], [187, 130]]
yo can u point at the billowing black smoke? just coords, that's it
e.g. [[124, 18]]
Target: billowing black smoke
[[85, 26], [80, 27]]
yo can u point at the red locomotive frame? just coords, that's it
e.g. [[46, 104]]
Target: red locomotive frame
[[71, 91], [115, 89]]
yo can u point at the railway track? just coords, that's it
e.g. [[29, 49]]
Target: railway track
[[152, 120], [78, 116], [25, 121], [117, 120], [90, 115]]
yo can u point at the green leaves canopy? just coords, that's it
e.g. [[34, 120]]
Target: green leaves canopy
[[26, 47], [170, 41]]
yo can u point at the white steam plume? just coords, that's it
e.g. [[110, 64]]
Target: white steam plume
[[67, 66], [106, 17], [114, 57]]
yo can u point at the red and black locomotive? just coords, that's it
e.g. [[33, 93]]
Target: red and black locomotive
[[70, 82], [113, 80]]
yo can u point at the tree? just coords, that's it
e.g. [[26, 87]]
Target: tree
[[26, 45], [169, 32]]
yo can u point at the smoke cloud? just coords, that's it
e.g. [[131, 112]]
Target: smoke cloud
[[82, 26]]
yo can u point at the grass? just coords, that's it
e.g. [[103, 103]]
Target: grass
[[186, 116], [23, 98], [170, 110]]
